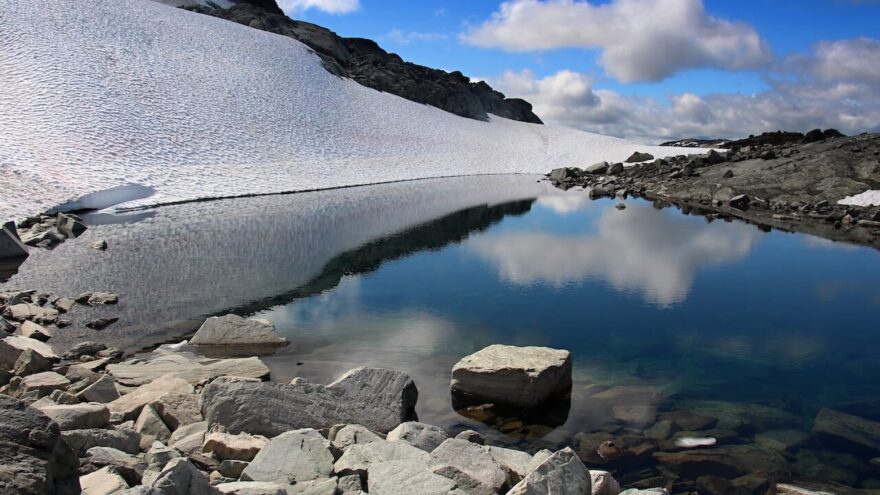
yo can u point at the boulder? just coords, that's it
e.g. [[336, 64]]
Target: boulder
[[597, 168], [122, 439], [424, 436], [11, 348], [187, 366], [561, 474], [254, 488], [233, 330], [232, 469], [180, 477], [639, 157], [714, 157], [377, 398], [349, 435], [11, 247], [241, 447], [103, 391], [84, 349], [150, 425], [839, 429], [406, 476], [602, 483], [33, 457], [560, 174], [32, 330], [63, 304], [349, 485], [30, 362], [189, 439], [518, 376], [516, 463], [469, 465], [42, 384], [101, 323], [159, 455], [292, 457], [62, 397], [97, 298], [472, 437], [102, 482], [69, 226], [33, 312], [615, 169], [358, 458], [130, 467], [740, 201], [129, 405], [178, 409], [78, 416]]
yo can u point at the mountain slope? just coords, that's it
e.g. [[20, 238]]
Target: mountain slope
[[109, 92], [365, 62]]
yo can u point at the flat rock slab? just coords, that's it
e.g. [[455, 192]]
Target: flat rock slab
[[834, 427], [11, 347], [32, 312], [404, 477], [78, 416], [129, 406], [378, 399], [187, 366], [517, 376]]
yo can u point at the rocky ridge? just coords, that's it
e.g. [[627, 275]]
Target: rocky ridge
[[793, 186], [365, 62]]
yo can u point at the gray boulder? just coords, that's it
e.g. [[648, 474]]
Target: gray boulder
[[180, 477], [129, 406], [11, 348], [103, 482], [130, 467], [292, 457], [69, 226], [424, 436], [102, 391], [405, 477], [562, 473], [78, 416], [471, 466], [560, 174], [358, 458], [33, 312], [377, 398], [639, 157], [84, 349], [42, 384], [240, 447], [233, 330], [33, 457], [518, 376], [597, 168], [122, 439], [348, 435], [189, 439], [35, 331], [30, 362], [10, 246], [149, 424]]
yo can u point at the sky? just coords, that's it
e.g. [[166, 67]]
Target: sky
[[644, 69]]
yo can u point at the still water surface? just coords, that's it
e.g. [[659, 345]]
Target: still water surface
[[704, 316]]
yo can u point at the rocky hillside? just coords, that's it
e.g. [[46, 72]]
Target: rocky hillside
[[367, 63]]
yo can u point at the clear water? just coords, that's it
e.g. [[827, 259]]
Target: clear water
[[718, 318]]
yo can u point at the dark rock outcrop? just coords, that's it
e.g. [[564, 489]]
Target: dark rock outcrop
[[367, 63], [33, 457]]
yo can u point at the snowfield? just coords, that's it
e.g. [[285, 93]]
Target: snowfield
[[103, 93]]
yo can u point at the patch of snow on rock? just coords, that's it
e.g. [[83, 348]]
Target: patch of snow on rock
[[110, 92], [867, 198]]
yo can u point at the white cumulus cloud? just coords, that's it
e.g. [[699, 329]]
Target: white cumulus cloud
[[639, 40], [329, 6]]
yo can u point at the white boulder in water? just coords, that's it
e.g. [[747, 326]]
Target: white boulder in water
[[233, 330], [517, 376]]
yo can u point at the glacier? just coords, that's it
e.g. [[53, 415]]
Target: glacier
[[106, 93]]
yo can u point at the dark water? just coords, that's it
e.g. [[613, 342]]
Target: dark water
[[661, 311]]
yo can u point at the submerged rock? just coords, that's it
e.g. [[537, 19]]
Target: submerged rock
[[377, 398], [841, 429], [518, 376]]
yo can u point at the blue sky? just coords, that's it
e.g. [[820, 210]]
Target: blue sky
[[439, 34]]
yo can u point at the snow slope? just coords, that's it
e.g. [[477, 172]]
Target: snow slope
[[108, 92]]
